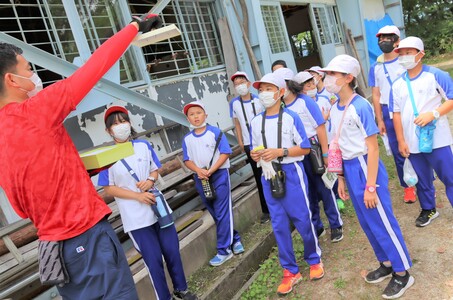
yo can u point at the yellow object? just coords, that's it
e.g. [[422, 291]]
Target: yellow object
[[259, 148], [103, 156]]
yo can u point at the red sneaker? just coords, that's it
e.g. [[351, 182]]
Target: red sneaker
[[409, 195], [316, 271], [289, 280]]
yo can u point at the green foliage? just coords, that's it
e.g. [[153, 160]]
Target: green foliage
[[432, 21], [340, 283]]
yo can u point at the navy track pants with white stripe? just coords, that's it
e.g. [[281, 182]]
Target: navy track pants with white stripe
[[318, 191], [154, 242], [293, 207], [221, 210], [379, 224], [441, 160]]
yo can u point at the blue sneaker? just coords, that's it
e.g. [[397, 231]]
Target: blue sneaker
[[219, 259], [238, 248]]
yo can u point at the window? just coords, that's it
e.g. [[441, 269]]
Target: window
[[328, 24], [197, 49], [274, 28], [44, 24]]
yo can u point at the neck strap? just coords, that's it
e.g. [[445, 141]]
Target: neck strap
[[279, 130]]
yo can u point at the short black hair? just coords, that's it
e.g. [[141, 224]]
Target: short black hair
[[8, 61], [119, 115], [279, 62], [294, 87]]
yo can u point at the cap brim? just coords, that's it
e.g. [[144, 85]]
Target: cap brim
[[114, 109], [188, 106], [257, 84]]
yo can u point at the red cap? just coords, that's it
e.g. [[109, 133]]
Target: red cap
[[192, 104], [113, 109]]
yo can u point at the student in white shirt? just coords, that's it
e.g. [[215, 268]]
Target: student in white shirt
[[365, 176], [134, 201], [310, 114], [381, 77], [286, 149], [432, 91], [211, 165], [243, 109]]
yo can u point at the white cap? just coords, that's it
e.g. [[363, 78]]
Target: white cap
[[388, 29], [271, 78], [316, 69], [192, 104], [301, 77], [284, 73], [239, 73], [343, 63], [411, 42]]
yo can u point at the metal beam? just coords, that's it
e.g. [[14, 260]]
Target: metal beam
[[159, 7], [76, 26], [66, 69]]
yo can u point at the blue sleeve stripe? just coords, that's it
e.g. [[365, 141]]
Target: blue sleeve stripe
[[184, 150], [371, 76], [444, 80], [314, 111], [103, 178]]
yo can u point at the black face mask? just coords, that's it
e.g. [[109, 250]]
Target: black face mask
[[386, 46]]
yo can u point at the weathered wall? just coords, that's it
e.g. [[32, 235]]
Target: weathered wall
[[87, 130]]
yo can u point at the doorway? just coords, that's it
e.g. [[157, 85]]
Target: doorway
[[301, 36]]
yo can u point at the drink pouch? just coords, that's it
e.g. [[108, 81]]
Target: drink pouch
[[329, 179], [317, 163], [278, 182], [409, 177], [426, 137], [334, 159], [164, 217]]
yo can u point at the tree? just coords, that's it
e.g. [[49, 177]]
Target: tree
[[432, 21]]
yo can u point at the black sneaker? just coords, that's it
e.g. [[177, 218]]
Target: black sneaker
[[265, 218], [320, 232], [336, 234], [379, 274], [398, 285], [426, 216], [184, 295]]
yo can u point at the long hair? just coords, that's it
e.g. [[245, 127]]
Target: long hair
[[119, 116]]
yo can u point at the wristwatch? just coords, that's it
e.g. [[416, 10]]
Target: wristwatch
[[151, 178], [371, 188], [436, 114], [285, 152]]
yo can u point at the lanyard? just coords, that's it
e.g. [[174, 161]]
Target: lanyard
[[411, 95], [243, 111], [387, 75], [279, 130]]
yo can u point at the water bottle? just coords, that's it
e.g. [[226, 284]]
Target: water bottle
[[164, 217], [208, 190]]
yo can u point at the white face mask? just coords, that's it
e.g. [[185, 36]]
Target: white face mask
[[330, 83], [286, 94], [242, 89], [312, 93], [198, 126], [121, 132], [36, 81], [408, 61], [267, 98]]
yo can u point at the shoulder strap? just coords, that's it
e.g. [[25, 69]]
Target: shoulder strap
[[387, 75], [129, 169], [243, 112], [411, 95], [337, 135], [279, 130], [217, 142]]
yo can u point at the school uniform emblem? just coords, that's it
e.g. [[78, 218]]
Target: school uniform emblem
[[80, 249]]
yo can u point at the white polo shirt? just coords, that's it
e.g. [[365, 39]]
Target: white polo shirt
[[309, 112], [358, 124], [293, 133], [378, 77], [134, 214], [324, 105], [200, 147], [429, 88], [236, 112]]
